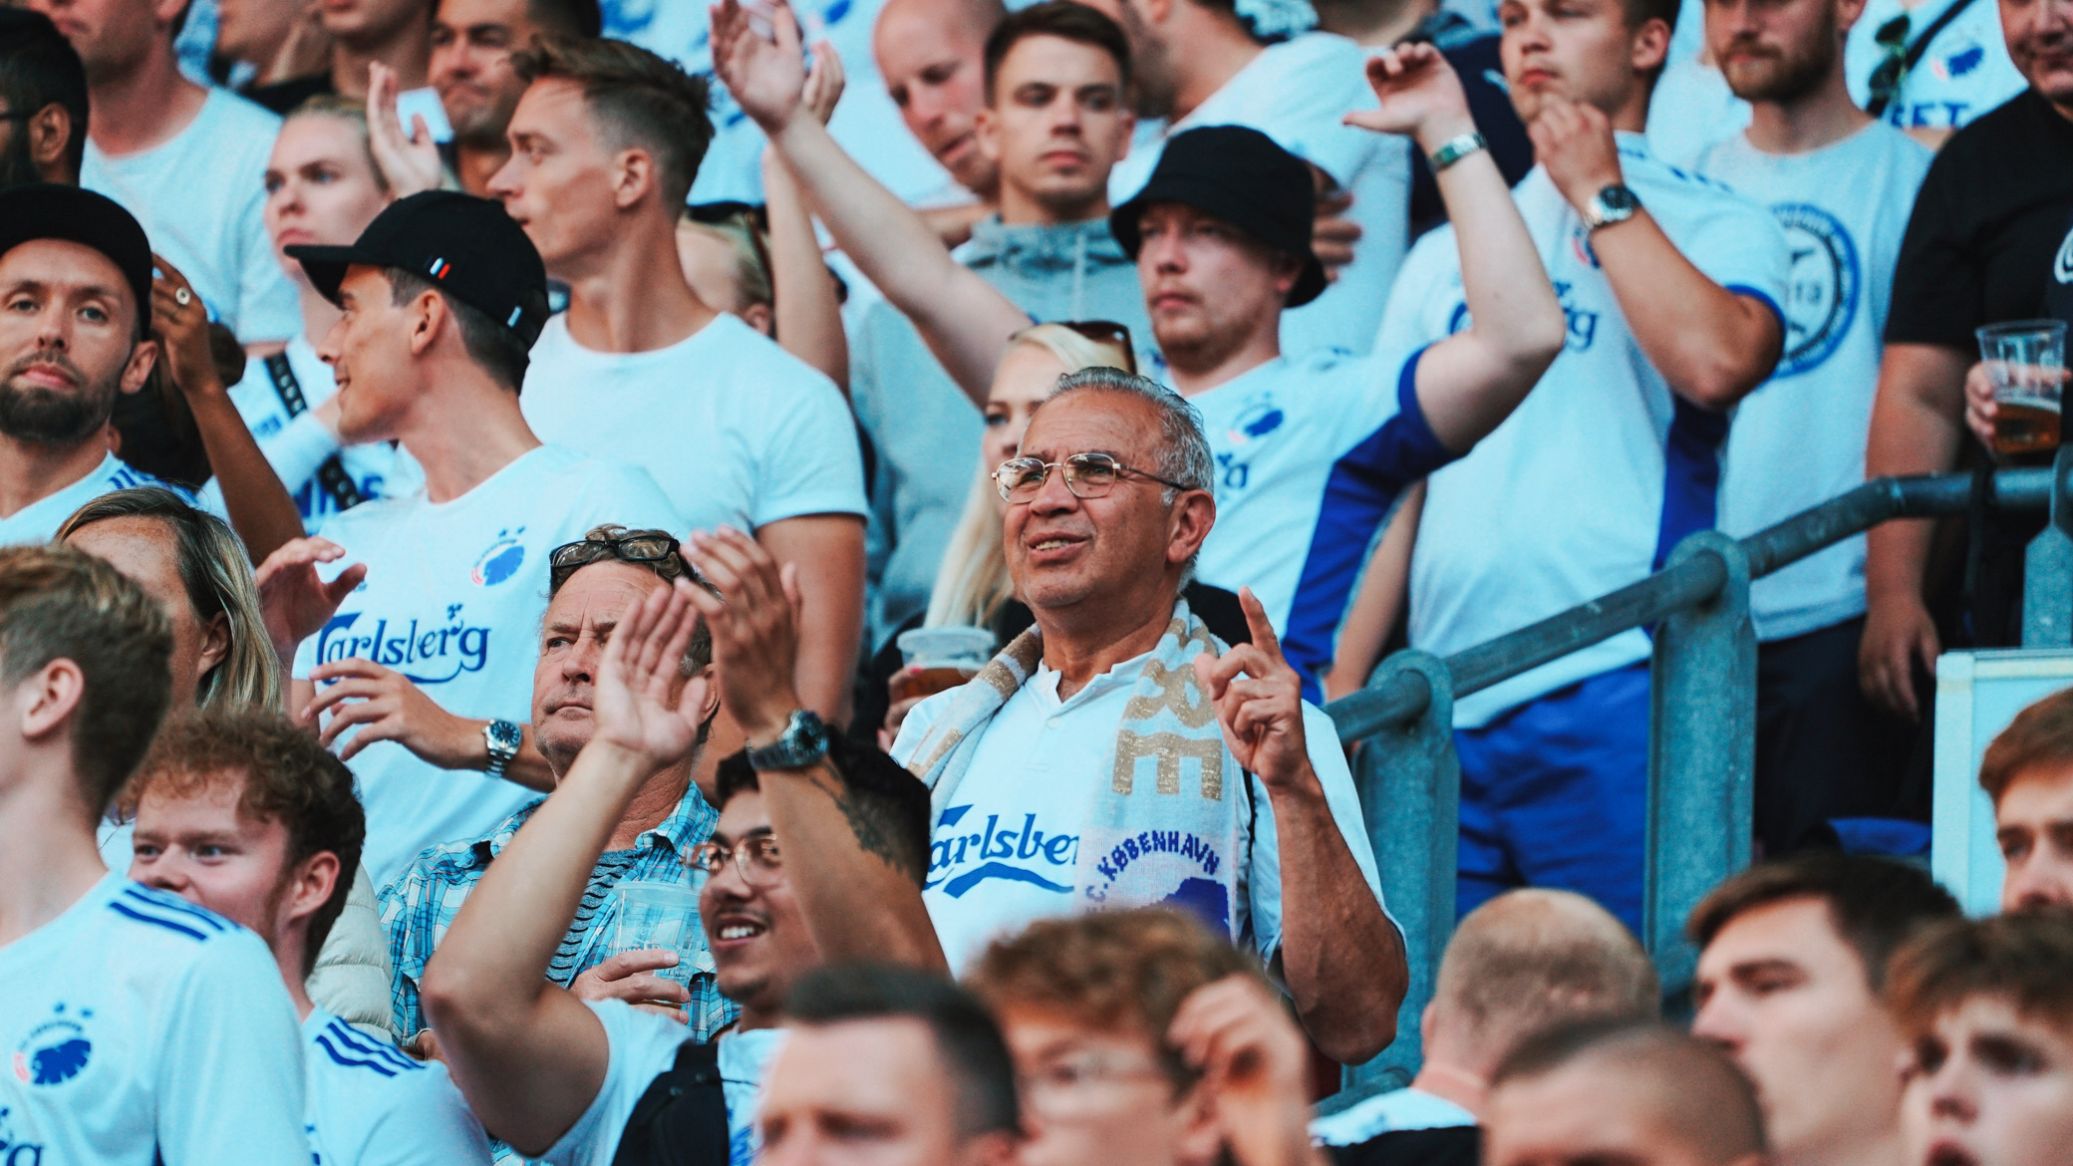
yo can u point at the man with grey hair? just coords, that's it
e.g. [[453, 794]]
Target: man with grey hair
[[1118, 755], [1522, 963], [592, 585]]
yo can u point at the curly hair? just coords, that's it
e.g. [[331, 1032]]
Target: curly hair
[[282, 775]]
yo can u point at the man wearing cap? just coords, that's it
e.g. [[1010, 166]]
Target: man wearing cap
[[1671, 285], [417, 663], [1313, 450], [75, 280]]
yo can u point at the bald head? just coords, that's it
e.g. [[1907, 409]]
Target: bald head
[[1528, 960], [1629, 1092], [932, 54]]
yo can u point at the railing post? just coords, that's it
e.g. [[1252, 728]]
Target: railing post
[[2048, 566], [1702, 755], [1410, 784]]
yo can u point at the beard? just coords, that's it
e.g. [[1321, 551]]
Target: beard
[[55, 417], [1786, 76]]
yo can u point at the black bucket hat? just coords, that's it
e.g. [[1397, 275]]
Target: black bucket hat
[[43, 210], [1241, 176]]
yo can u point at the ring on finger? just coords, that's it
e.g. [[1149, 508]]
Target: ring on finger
[[182, 296]]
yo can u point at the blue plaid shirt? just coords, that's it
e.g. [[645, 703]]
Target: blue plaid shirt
[[417, 909]]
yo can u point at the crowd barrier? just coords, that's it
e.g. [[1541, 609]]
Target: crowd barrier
[[1702, 734]]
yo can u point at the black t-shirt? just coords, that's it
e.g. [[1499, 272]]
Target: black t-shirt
[[283, 96], [1452, 1146], [1988, 220], [2058, 286]]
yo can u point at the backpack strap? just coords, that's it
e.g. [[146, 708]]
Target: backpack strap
[[1915, 52], [332, 477], [682, 1118]]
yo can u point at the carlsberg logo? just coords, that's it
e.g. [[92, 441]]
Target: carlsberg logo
[[424, 653]]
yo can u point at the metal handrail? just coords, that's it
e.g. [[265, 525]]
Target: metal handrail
[[1702, 727]]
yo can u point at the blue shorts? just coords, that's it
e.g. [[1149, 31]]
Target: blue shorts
[[1554, 793]]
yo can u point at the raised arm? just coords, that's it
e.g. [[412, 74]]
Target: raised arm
[[860, 898], [1379, 601], [964, 320], [1713, 345], [256, 503], [1470, 382], [1341, 957], [529, 1056]]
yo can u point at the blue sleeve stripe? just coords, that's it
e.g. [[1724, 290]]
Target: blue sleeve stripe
[[350, 1058], [1760, 296], [1691, 475], [161, 899], [1359, 494], [368, 1047], [155, 921]]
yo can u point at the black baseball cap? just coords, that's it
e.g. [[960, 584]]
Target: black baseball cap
[[1243, 177], [465, 246], [44, 210]]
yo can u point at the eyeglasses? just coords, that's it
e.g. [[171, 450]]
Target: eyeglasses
[[757, 858], [1107, 332], [1884, 85], [1080, 1084], [1087, 475], [636, 547]]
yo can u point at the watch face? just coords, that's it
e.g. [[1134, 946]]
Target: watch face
[[506, 734], [1618, 198]]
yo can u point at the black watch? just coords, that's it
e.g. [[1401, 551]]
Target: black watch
[[804, 741]]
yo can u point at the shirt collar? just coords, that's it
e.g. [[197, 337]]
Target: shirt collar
[[688, 825]]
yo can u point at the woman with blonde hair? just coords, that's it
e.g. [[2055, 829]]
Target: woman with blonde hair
[[195, 568]]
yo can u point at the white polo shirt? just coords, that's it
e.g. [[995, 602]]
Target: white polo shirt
[[1591, 482], [372, 1105]]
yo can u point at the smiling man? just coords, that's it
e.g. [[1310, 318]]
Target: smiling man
[[592, 586], [586, 1085], [442, 295], [1792, 956], [473, 42]]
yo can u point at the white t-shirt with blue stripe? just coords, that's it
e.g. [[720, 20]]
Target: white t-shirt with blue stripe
[[1311, 454], [38, 522], [1798, 440], [373, 1105], [139, 1029], [1592, 481]]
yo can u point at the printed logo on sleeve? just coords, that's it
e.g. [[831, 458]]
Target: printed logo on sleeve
[[55, 1051]]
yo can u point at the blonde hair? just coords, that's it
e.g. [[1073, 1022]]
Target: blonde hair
[[973, 582], [354, 113], [752, 284], [217, 577]]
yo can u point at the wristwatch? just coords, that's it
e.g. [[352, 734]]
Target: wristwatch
[[503, 739], [1614, 204], [804, 741]]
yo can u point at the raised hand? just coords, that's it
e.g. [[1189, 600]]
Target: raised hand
[[824, 82], [1420, 96], [767, 77], [293, 601], [755, 629], [1254, 1066], [1259, 702], [1574, 141], [409, 162], [181, 323], [642, 703]]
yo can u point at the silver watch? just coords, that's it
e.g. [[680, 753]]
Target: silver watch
[[1614, 204], [804, 741], [503, 739]]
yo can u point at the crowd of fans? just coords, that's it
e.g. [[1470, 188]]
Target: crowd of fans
[[1173, 360]]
